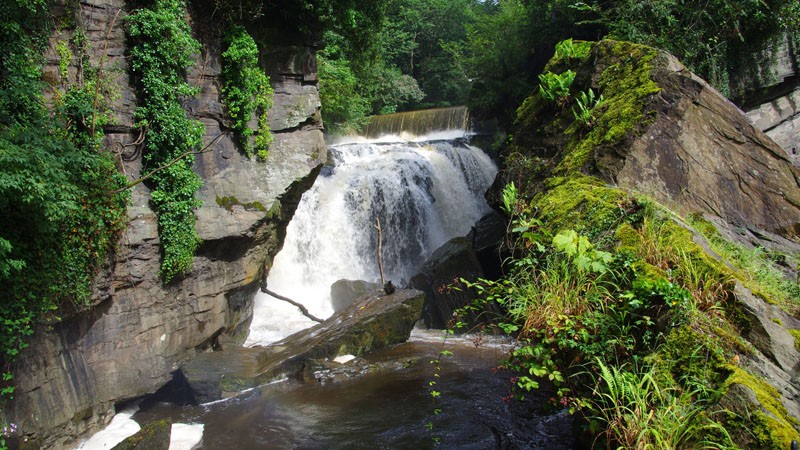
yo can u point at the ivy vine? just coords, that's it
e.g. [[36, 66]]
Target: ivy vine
[[161, 51], [246, 91]]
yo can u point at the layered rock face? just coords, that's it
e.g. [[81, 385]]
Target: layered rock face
[[128, 345], [768, 89], [701, 154]]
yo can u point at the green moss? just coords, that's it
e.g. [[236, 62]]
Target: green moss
[[626, 87], [582, 204], [229, 202], [772, 427], [691, 358], [796, 334]]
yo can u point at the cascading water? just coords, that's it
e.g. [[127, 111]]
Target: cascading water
[[423, 192], [418, 123]]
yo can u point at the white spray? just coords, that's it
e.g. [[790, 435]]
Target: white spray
[[424, 194]]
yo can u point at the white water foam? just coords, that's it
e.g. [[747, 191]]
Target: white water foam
[[442, 135], [121, 427], [185, 436], [424, 194]]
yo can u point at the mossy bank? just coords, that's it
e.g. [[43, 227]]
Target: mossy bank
[[674, 218]]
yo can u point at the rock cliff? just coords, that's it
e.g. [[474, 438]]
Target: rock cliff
[[139, 330], [767, 86]]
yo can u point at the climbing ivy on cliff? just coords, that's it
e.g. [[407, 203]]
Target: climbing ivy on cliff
[[246, 91], [161, 51], [60, 215]]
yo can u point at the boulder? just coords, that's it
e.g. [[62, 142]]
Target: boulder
[[487, 237], [439, 278], [371, 323], [345, 292], [665, 133]]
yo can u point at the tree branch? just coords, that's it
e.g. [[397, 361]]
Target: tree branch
[[174, 160], [302, 308]]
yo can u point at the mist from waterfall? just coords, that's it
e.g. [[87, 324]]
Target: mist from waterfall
[[423, 192]]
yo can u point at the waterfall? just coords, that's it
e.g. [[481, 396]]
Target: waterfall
[[424, 194], [418, 123]]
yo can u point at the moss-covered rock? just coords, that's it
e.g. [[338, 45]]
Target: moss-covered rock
[[663, 144], [661, 131], [756, 417], [153, 436]]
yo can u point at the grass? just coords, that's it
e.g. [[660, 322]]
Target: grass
[[636, 412], [756, 267]]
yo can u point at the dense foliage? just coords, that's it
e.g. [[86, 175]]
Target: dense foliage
[[161, 50], [246, 91], [60, 212], [488, 54]]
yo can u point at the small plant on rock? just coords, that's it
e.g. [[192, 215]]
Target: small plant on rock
[[585, 104], [555, 87]]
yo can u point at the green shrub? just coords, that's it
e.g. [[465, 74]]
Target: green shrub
[[246, 91]]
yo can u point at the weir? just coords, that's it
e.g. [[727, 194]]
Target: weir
[[419, 123], [423, 192]]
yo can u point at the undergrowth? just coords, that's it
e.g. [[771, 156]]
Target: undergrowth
[[757, 267], [648, 310]]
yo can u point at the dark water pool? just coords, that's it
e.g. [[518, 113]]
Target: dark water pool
[[390, 408]]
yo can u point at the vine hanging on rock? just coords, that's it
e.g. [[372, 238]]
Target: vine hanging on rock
[[246, 91], [161, 51]]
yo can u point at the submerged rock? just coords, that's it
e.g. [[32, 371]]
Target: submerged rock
[[153, 436], [369, 324]]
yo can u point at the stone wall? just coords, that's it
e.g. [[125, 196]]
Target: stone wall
[[140, 330]]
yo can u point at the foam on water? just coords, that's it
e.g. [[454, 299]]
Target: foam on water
[[120, 427]]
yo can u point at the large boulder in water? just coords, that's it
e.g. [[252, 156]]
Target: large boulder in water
[[371, 323], [153, 436], [440, 278]]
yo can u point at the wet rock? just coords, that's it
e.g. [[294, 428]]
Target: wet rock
[[325, 371], [440, 277], [486, 236], [371, 323], [345, 292], [153, 436]]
